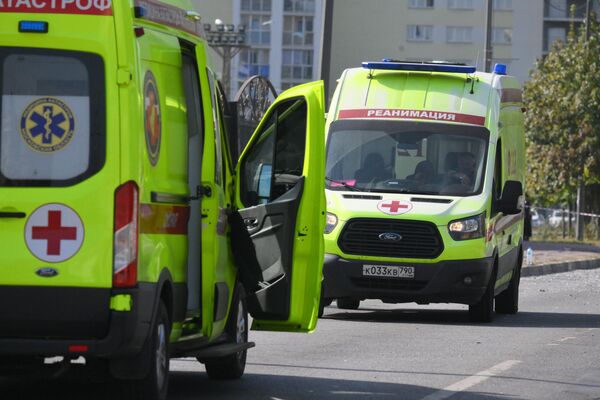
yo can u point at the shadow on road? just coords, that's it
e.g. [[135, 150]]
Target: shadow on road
[[196, 385], [524, 319]]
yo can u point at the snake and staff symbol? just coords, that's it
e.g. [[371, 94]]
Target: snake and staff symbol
[[47, 124]]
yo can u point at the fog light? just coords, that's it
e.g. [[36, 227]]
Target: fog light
[[468, 280]]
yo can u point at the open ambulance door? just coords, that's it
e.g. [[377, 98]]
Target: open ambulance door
[[277, 235]]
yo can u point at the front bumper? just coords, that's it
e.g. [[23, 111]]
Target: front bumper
[[441, 282], [74, 321]]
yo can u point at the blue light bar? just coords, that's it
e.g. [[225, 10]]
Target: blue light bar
[[500, 69], [33, 26], [424, 67]]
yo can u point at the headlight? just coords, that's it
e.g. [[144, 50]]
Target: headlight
[[330, 222], [467, 228]]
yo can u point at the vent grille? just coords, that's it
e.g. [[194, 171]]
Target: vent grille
[[362, 196], [388, 283], [420, 239]]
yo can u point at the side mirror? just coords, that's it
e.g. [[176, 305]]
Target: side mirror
[[509, 202], [264, 183]]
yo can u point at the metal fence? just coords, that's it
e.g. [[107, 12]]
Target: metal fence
[[556, 223]]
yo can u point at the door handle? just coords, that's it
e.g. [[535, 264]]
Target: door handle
[[251, 222]]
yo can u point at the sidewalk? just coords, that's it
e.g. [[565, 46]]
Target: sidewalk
[[552, 258]]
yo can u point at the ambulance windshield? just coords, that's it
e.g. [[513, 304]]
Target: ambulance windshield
[[49, 136], [406, 157]]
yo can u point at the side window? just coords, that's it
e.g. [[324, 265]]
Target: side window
[[217, 130], [276, 160], [497, 183]]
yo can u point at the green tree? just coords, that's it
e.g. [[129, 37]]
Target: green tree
[[562, 121]]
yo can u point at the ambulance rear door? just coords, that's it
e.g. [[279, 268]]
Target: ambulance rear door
[[59, 169], [281, 200]]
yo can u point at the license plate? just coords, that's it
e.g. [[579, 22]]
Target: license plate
[[389, 271]]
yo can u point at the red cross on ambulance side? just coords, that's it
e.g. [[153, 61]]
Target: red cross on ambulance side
[[394, 207], [54, 233]]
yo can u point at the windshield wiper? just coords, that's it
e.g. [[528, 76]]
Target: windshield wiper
[[344, 184]]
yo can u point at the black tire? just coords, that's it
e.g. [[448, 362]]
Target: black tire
[[507, 302], [348, 303], [323, 303], [483, 310], [233, 366], [155, 384]]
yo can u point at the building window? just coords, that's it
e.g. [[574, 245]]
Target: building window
[[253, 62], [460, 4], [502, 36], [256, 5], [258, 28], [297, 66], [420, 33], [502, 5], [302, 6], [298, 31], [420, 4], [459, 34]]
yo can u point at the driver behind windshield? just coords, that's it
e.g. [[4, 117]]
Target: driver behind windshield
[[373, 170]]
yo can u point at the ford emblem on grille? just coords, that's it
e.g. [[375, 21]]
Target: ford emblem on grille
[[46, 272], [390, 236]]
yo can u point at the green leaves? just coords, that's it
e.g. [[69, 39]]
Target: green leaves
[[563, 118]]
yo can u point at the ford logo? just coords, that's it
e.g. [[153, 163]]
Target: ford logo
[[46, 272], [390, 236]]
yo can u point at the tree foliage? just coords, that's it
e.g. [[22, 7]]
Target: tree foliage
[[562, 121]]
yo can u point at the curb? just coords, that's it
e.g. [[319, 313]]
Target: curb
[[555, 268]]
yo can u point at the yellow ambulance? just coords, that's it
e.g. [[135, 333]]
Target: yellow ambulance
[[425, 175], [126, 236]]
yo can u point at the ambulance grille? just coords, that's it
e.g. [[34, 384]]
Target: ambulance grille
[[420, 239], [388, 283]]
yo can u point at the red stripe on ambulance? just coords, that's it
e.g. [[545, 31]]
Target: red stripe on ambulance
[[368, 113], [88, 7], [164, 219]]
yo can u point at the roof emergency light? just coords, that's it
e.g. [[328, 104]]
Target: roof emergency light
[[391, 65], [500, 69]]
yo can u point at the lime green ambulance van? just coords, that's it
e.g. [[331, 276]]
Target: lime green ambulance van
[[425, 174], [126, 236]]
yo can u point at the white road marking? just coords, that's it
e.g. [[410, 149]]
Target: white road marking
[[567, 338], [471, 381]]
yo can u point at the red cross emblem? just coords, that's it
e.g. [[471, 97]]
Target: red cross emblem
[[54, 233], [394, 207]]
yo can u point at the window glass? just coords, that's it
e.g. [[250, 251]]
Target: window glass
[[421, 3], [217, 130], [276, 160], [49, 136], [501, 35], [407, 157], [420, 32], [460, 4], [459, 34]]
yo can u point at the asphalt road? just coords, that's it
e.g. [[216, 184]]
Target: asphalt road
[[550, 350]]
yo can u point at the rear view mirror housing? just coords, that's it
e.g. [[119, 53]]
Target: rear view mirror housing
[[509, 202]]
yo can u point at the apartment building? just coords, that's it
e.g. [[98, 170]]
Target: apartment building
[[283, 38], [449, 30]]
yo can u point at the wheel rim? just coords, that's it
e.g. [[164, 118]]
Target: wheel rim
[[161, 356]]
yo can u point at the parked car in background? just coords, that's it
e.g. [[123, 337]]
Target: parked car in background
[[557, 217]]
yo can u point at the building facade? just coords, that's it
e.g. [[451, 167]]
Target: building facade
[[283, 38], [448, 30]]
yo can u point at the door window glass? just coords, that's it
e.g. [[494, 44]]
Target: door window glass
[[275, 161], [49, 136]]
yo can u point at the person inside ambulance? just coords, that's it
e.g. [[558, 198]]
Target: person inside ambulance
[[424, 173], [373, 170], [461, 168]]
